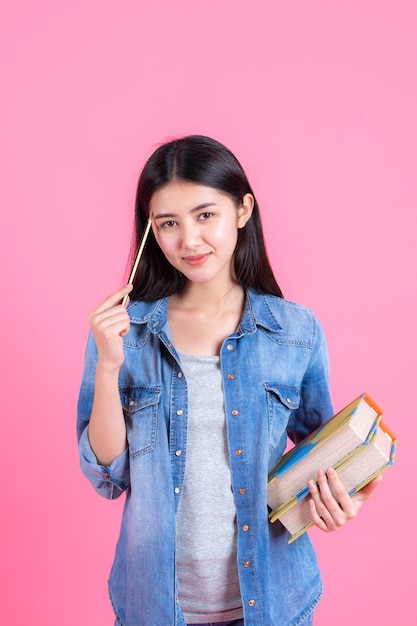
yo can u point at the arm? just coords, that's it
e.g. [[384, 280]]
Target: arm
[[101, 427], [327, 512], [107, 429]]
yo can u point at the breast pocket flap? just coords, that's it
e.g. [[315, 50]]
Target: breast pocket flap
[[137, 398], [288, 396]]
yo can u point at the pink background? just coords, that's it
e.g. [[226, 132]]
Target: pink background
[[319, 101]]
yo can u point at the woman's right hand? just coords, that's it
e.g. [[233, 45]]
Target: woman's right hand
[[110, 323]]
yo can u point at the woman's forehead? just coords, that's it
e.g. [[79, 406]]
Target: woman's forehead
[[184, 195]]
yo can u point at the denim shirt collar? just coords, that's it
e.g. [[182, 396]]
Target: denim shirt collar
[[257, 313]]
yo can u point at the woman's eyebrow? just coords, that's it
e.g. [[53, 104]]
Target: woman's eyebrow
[[199, 207]]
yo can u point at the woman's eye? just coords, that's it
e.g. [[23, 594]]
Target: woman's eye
[[205, 215], [169, 224]]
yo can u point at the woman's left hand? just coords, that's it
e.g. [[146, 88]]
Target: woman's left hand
[[330, 512]]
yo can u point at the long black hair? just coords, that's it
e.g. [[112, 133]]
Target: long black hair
[[204, 161]]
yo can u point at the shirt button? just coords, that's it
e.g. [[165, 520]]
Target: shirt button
[[106, 476], [289, 400], [178, 453], [235, 412], [246, 563], [251, 602], [176, 490], [238, 452], [242, 491], [245, 527], [180, 412], [132, 403], [230, 376], [179, 374], [229, 346]]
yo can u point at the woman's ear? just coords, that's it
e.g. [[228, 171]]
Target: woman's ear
[[245, 210]]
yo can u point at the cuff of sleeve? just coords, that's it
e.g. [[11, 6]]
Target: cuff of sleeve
[[108, 480]]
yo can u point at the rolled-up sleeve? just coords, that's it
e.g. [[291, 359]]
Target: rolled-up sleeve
[[109, 481]]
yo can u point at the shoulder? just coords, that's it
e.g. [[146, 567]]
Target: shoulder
[[282, 315], [288, 323]]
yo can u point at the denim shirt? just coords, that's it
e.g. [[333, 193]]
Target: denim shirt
[[276, 383]]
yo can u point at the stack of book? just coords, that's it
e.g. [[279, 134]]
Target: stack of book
[[355, 442]]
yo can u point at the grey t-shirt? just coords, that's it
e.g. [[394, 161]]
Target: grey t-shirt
[[206, 519]]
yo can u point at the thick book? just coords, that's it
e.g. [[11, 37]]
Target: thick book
[[355, 471], [327, 446]]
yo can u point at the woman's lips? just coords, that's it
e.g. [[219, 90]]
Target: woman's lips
[[198, 259]]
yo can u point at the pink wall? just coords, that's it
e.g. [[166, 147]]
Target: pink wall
[[318, 99]]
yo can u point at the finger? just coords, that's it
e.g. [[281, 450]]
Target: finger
[[112, 323], [341, 497], [110, 316], [316, 518], [328, 499], [319, 492], [114, 299], [104, 320], [327, 506], [109, 307]]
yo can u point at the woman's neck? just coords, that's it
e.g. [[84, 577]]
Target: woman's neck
[[209, 299], [201, 318]]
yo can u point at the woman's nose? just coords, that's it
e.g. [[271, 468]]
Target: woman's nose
[[191, 237]]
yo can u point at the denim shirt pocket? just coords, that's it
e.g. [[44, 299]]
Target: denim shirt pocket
[[140, 408], [282, 399]]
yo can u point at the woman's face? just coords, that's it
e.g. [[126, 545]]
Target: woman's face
[[196, 228]]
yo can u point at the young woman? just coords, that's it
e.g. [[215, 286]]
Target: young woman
[[187, 399]]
